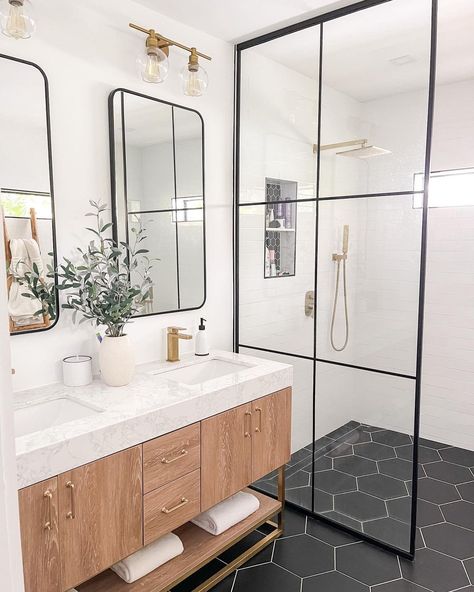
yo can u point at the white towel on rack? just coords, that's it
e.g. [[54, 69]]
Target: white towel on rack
[[226, 514], [149, 558], [25, 254]]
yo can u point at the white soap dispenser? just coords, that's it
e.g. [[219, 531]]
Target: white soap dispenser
[[202, 347]]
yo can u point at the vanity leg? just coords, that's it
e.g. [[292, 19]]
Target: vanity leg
[[281, 496]]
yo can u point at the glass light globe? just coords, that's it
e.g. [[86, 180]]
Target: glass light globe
[[16, 20], [195, 80], [154, 65]]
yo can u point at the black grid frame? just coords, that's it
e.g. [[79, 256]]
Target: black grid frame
[[416, 378]]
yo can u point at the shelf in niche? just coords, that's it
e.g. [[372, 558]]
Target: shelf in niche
[[280, 230]]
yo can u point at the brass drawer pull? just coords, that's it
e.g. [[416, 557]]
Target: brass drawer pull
[[259, 427], [49, 496], [182, 503], [247, 426], [72, 514], [166, 461]]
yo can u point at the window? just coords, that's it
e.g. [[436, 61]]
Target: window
[[17, 203], [447, 188], [189, 209]]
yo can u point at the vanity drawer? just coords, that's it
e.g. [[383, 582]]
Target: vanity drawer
[[170, 506], [171, 456]]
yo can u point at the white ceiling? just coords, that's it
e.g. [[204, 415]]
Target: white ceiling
[[242, 19]]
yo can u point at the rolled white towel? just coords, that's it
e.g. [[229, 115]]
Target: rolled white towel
[[226, 514], [149, 558]]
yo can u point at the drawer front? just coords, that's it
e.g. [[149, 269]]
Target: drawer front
[[169, 457], [170, 506]]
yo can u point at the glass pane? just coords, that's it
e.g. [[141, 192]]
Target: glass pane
[[189, 158], [377, 279], [298, 470], [279, 114], [161, 243], [149, 154], [276, 311], [375, 98], [191, 258], [364, 450]]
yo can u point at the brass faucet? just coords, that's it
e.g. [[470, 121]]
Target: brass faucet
[[173, 337]]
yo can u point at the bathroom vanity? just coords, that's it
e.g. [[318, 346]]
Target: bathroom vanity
[[146, 460]]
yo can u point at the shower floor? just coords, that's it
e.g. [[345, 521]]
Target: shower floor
[[363, 480]]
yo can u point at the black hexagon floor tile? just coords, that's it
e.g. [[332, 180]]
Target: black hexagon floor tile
[[399, 468], [355, 465], [344, 520], [449, 473], [322, 463], [366, 563], [254, 537], [303, 555], [358, 436], [467, 491], [460, 513], [323, 502], [340, 450], [391, 438], [266, 577], [458, 456], [399, 586], [450, 539], [298, 456], [427, 513], [298, 479], [329, 534], [202, 575], [333, 581], [374, 451], [436, 492], [360, 506], [469, 567], [389, 531], [343, 430], [435, 571], [382, 486], [432, 444], [425, 455], [335, 482]]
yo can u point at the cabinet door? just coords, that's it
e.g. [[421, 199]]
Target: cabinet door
[[39, 536], [100, 515], [271, 432], [226, 454]]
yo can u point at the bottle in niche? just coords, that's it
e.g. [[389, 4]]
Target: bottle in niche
[[202, 347]]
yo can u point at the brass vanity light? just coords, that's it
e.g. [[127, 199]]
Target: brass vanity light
[[15, 17], [154, 64]]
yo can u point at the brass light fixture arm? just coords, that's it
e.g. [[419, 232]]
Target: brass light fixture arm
[[168, 41]]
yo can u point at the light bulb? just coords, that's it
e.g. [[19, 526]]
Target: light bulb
[[153, 65], [195, 80], [15, 21]]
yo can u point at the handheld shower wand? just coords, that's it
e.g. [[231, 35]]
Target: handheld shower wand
[[338, 258]]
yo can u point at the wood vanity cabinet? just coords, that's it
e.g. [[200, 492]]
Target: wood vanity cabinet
[[100, 515], [40, 536], [243, 444]]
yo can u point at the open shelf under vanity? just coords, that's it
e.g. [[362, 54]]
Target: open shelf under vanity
[[199, 548]]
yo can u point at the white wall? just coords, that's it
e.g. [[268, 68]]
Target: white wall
[[87, 50]]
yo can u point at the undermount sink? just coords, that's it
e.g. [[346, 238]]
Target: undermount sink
[[40, 416], [202, 371]]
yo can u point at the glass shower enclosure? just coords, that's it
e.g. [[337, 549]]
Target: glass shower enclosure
[[333, 123]]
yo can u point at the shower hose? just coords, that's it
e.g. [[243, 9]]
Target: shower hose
[[336, 294]]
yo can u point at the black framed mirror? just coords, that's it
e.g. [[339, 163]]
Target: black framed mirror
[[157, 173], [27, 196]]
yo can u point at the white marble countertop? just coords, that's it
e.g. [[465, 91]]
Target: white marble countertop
[[151, 405]]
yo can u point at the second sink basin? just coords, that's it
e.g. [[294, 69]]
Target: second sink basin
[[202, 371], [40, 416]]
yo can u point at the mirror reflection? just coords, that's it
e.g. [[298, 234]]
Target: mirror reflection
[[26, 196], [157, 174]]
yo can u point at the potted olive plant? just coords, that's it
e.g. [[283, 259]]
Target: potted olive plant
[[108, 285]]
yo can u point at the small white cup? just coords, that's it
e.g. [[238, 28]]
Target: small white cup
[[77, 370]]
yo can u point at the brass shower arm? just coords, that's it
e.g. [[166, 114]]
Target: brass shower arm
[[169, 42], [362, 142]]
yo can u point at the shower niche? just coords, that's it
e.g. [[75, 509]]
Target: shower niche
[[280, 228]]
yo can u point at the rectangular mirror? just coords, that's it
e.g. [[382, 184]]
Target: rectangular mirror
[[157, 169], [26, 196]]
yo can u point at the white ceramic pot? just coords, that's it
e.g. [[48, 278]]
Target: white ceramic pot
[[116, 360]]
